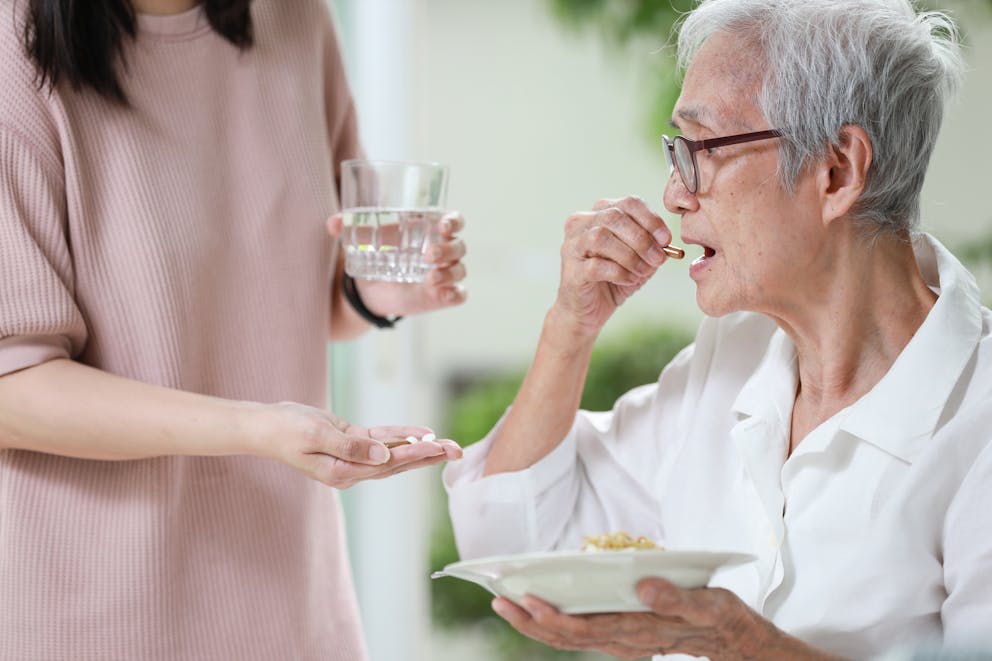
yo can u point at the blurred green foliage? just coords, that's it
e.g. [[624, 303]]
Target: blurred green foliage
[[619, 363], [978, 251], [650, 25], [976, 254]]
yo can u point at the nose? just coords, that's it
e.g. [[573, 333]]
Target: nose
[[677, 197]]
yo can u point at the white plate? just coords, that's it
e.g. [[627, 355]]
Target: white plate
[[580, 582]]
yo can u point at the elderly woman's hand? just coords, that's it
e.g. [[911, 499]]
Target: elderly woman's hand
[[607, 255], [339, 454], [705, 622], [441, 287]]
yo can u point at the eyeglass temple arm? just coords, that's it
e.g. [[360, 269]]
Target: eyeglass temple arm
[[736, 139]]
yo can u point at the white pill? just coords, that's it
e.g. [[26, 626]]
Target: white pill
[[429, 437], [412, 439]]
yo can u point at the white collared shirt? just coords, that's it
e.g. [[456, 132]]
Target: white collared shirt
[[876, 531]]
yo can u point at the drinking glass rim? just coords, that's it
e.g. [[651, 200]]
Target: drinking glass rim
[[381, 161]]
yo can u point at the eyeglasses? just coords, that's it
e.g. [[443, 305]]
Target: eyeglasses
[[680, 152]]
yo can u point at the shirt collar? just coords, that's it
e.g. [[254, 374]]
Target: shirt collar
[[771, 391], [901, 412]]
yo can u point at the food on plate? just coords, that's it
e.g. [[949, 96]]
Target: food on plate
[[617, 541]]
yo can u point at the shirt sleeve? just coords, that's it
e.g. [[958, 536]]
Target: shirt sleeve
[[967, 611], [604, 476], [39, 318]]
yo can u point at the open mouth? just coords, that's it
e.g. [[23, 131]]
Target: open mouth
[[708, 253]]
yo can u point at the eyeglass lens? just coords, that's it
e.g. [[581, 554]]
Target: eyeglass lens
[[685, 165]]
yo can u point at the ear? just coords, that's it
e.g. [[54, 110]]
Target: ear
[[843, 173]]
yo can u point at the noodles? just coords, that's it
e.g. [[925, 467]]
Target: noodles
[[617, 541]]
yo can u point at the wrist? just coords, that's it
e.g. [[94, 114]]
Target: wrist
[[566, 330], [257, 424], [361, 305]]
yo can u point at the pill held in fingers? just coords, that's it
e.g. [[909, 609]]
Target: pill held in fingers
[[673, 252]]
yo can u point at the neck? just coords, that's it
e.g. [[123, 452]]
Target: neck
[[852, 324], [163, 7]]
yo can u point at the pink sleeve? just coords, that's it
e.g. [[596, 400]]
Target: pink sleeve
[[39, 318]]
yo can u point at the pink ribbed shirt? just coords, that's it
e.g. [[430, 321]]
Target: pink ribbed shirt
[[179, 242]]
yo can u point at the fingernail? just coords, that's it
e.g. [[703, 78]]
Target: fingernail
[[378, 453], [446, 225], [648, 595], [433, 444], [662, 236]]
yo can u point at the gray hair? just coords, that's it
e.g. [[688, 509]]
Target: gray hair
[[876, 64]]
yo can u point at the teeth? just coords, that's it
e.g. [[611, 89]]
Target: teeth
[[699, 259]]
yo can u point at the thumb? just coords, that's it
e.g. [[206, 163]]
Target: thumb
[[335, 225]]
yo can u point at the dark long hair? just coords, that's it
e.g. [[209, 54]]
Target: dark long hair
[[83, 41]]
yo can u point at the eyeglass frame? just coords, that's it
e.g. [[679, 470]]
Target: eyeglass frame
[[711, 143]]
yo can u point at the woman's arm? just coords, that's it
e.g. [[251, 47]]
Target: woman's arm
[[607, 255], [65, 408], [544, 408]]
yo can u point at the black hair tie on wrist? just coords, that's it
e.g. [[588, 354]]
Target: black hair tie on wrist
[[351, 293]]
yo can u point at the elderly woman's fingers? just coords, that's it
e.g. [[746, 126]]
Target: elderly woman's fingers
[[605, 241], [605, 203], [704, 607], [638, 209], [586, 232], [597, 269], [711, 618], [629, 629], [605, 633], [522, 621], [647, 238], [579, 629]]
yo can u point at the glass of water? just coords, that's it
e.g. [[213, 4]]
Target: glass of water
[[391, 210]]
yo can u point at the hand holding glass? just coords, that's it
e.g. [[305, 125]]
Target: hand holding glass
[[391, 211]]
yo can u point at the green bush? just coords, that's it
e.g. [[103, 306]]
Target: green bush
[[618, 363]]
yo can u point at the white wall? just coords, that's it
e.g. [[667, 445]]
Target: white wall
[[955, 202], [536, 123]]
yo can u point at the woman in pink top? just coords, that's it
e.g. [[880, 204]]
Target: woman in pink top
[[167, 287]]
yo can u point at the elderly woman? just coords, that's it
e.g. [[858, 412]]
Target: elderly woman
[[834, 415]]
